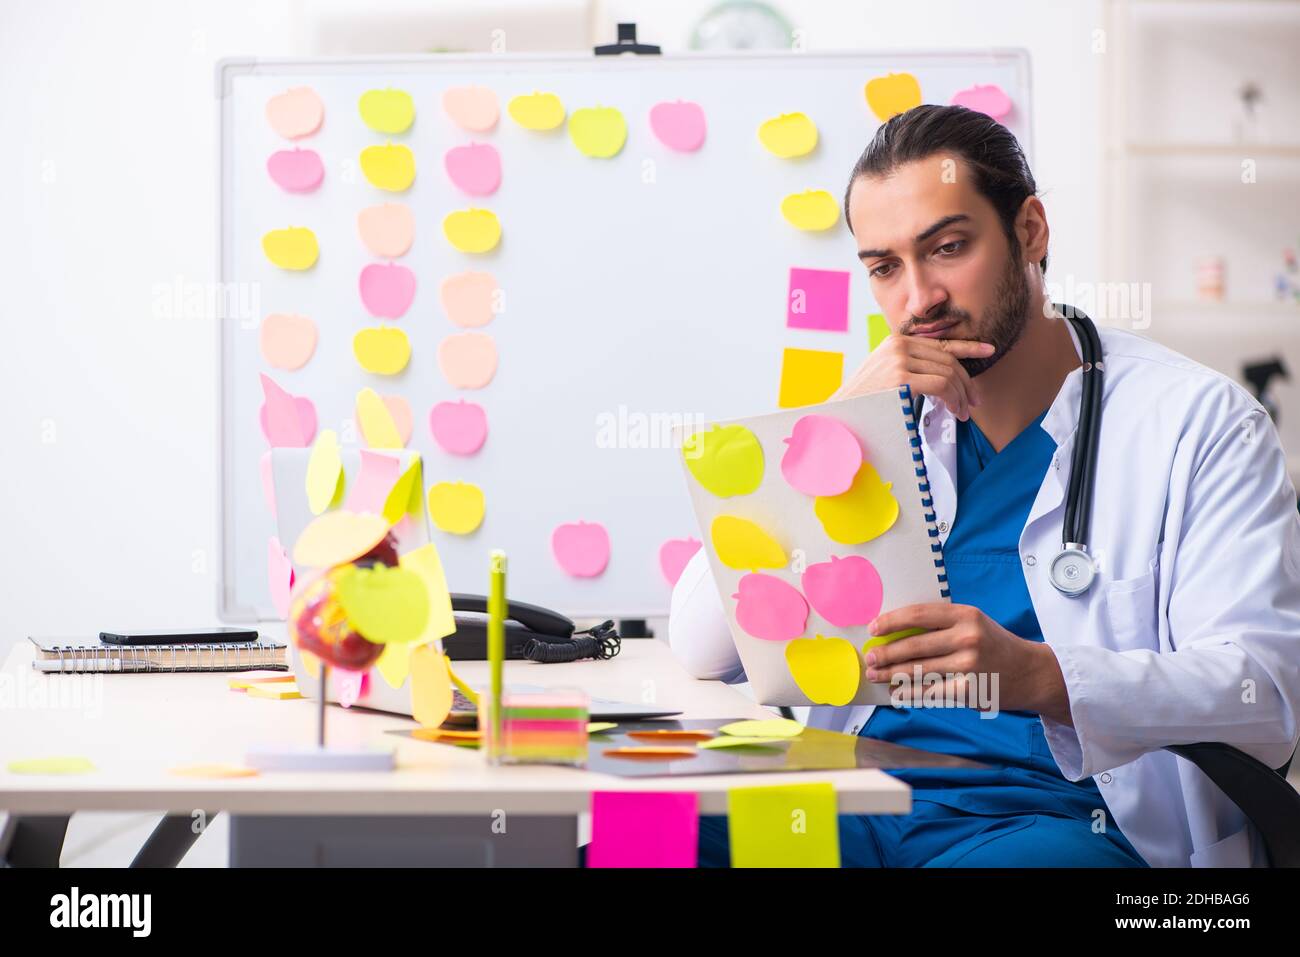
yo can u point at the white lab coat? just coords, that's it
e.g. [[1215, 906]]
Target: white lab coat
[[1191, 631]]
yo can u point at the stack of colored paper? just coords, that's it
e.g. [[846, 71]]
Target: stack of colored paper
[[544, 727]]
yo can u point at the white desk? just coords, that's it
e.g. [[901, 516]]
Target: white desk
[[135, 727]]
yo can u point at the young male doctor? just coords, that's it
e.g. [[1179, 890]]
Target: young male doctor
[[1190, 631]]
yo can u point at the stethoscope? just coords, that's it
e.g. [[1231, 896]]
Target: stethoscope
[[1073, 570]]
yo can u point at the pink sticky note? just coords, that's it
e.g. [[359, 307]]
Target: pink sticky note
[[823, 456], [818, 299], [295, 170], [643, 829], [679, 125], [468, 360], [581, 548], [673, 556], [468, 298], [459, 427], [279, 575], [845, 591], [400, 410], [296, 112], [989, 100], [287, 420], [474, 169], [375, 479], [349, 686], [268, 482], [387, 289], [770, 608]]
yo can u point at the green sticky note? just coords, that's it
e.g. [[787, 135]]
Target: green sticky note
[[730, 742], [877, 329], [62, 765], [891, 636], [787, 825]]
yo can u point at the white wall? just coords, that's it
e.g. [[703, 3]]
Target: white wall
[[107, 411]]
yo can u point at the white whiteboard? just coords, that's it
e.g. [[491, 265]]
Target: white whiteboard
[[642, 289]]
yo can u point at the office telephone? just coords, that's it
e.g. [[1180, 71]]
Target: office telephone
[[533, 633]]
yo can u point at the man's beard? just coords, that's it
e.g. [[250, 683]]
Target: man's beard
[[1003, 322]]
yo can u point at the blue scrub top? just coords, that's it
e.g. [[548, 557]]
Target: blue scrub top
[[995, 491]]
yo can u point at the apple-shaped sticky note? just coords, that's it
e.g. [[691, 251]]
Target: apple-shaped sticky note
[[295, 170], [387, 111], [893, 94], [292, 248], [387, 229], [726, 459], [742, 544], [459, 427], [989, 100], [468, 360], [674, 554], [679, 125], [823, 456], [389, 167], [469, 298], [598, 131], [472, 108], [387, 289], [847, 591], [769, 608], [537, 111], [472, 230], [296, 112], [456, 507], [581, 548], [788, 135], [827, 670], [474, 169], [866, 511], [386, 605], [383, 350], [287, 340], [812, 210]]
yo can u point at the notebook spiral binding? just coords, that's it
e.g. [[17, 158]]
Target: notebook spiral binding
[[923, 485], [134, 659]]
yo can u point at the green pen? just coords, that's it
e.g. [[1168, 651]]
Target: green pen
[[496, 643]]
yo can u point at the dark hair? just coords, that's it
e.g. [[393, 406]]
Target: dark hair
[[993, 153]]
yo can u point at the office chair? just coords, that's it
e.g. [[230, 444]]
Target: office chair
[[1264, 795]]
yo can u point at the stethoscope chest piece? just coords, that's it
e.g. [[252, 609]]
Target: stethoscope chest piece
[[1073, 570]]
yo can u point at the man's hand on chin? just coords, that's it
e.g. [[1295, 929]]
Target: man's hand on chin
[[958, 641]]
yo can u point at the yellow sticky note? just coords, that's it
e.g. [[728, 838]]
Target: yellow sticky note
[[376, 423], [406, 493], [430, 686], [595, 727], [598, 131], [324, 472], [214, 771], [764, 728], [243, 684], [292, 248], [387, 111], [866, 511], [390, 167], [885, 639], [726, 460], [812, 210], [728, 742], [274, 692], [337, 537], [743, 545], [394, 663], [786, 825], [536, 111], [384, 605], [892, 94], [384, 350], [827, 670], [310, 663], [877, 330], [456, 507], [789, 135], [472, 230], [809, 376], [59, 765], [425, 563]]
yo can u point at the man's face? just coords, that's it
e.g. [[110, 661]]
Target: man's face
[[940, 263]]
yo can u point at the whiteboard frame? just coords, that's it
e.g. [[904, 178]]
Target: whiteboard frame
[[228, 610]]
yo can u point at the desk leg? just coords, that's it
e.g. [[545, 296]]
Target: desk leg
[[31, 840], [170, 841], [403, 841]]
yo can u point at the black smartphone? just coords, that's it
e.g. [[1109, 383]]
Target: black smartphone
[[200, 636]]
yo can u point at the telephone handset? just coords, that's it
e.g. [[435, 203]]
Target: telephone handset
[[532, 633]]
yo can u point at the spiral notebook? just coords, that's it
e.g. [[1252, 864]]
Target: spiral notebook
[[801, 563], [62, 655]]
